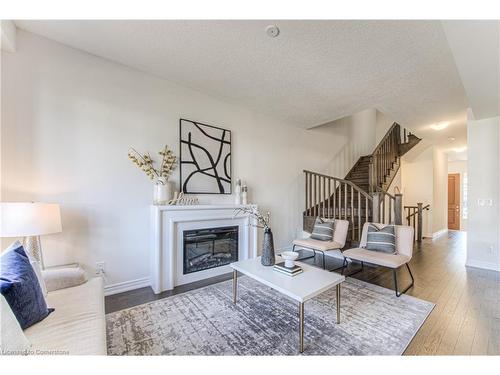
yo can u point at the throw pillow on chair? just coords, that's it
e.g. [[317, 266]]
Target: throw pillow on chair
[[323, 229], [381, 239]]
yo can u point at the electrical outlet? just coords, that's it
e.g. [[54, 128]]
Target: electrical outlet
[[100, 268]]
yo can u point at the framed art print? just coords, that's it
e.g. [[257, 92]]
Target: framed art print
[[205, 158]]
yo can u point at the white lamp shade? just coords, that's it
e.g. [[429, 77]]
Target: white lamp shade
[[29, 219]]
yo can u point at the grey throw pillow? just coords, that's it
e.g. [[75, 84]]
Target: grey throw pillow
[[323, 229], [381, 239]]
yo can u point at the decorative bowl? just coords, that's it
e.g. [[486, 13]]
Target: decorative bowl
[[289, 257]]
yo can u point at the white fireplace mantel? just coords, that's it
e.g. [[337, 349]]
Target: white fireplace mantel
[[167, 225]]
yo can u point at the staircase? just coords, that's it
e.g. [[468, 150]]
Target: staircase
[[361, 196], [375, 172]]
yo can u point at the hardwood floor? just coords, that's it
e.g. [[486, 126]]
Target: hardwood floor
[[466, 319]]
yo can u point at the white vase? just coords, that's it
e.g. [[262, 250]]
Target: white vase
[[162, 192]]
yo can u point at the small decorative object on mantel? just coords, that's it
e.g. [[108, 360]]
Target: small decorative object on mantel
[[244, 194], [180, 200], [237, 192], [268, 258], [162, 189]]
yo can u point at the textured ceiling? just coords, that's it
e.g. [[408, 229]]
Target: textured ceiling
[[312, 73], [476, 48]]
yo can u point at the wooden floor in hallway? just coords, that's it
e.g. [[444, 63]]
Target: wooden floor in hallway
[[466, 319]]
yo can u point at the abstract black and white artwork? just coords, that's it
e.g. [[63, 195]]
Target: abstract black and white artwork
[[205, 158]]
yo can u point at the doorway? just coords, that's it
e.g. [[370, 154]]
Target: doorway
[[454, 201]]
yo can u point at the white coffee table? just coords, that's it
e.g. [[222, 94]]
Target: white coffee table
[[310, 283]]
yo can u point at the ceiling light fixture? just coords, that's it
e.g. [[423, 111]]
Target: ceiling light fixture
[[451, 139], [440, 125], [460, 149], [272, 31]]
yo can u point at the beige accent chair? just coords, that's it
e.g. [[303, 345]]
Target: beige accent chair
[[404, 252], [325, 247]]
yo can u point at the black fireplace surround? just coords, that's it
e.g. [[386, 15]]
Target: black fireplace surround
[[209, 248]]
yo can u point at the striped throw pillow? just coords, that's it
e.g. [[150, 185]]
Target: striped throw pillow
[[323, 229], [381, 239]]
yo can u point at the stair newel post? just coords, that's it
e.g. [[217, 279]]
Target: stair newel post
[[398, 209], [371, 175], [376, 206], [420, 221]]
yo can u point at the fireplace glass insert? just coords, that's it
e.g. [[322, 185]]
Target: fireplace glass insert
[[209, 248]]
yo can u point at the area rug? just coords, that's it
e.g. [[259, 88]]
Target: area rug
[[264, 322]]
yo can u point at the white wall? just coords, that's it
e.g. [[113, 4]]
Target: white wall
[[440, 191], [424, 180], [68, 120], [417, 185], [8, 36], [483, 235], [460, 167], [359, 134], [383, 124]]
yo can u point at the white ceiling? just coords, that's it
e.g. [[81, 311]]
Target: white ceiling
[[312, 73], [476, 48]]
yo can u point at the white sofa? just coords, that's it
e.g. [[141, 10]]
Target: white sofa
[[77, 326]]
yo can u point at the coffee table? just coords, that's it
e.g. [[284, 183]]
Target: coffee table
[[302, 287]]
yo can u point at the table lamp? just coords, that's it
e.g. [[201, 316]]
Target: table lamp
[[30, 220]]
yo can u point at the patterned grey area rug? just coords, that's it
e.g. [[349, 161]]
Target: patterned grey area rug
[[264, 322]]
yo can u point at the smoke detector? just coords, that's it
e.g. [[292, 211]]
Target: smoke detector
[[272, 31]]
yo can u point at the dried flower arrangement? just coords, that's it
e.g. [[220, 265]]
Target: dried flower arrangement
[[146, 164], [263, 221]]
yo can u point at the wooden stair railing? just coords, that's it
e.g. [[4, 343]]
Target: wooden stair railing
[[334, 198], [362, 196], [385, 159], [414, 217]]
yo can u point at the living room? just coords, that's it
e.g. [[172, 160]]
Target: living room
[[219, 187]]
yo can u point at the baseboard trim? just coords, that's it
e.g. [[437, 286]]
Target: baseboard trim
[[439, 233], [126, 286], [145, 281], [483, 265]]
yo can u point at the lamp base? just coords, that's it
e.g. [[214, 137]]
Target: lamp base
[[33, 245]]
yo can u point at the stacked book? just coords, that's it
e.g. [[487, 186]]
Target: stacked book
[[290, 271]]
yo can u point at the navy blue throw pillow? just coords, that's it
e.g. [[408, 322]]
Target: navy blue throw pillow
[[19, 285]]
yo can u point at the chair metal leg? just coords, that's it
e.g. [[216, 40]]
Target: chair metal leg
[[323, 257], [394, 273], [344, 265], [355, 272], [341, 267], [304, 258]]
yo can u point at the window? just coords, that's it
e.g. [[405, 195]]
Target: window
[[464, 196]]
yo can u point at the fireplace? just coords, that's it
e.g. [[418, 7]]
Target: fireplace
[[209, 248], [192, 243]]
